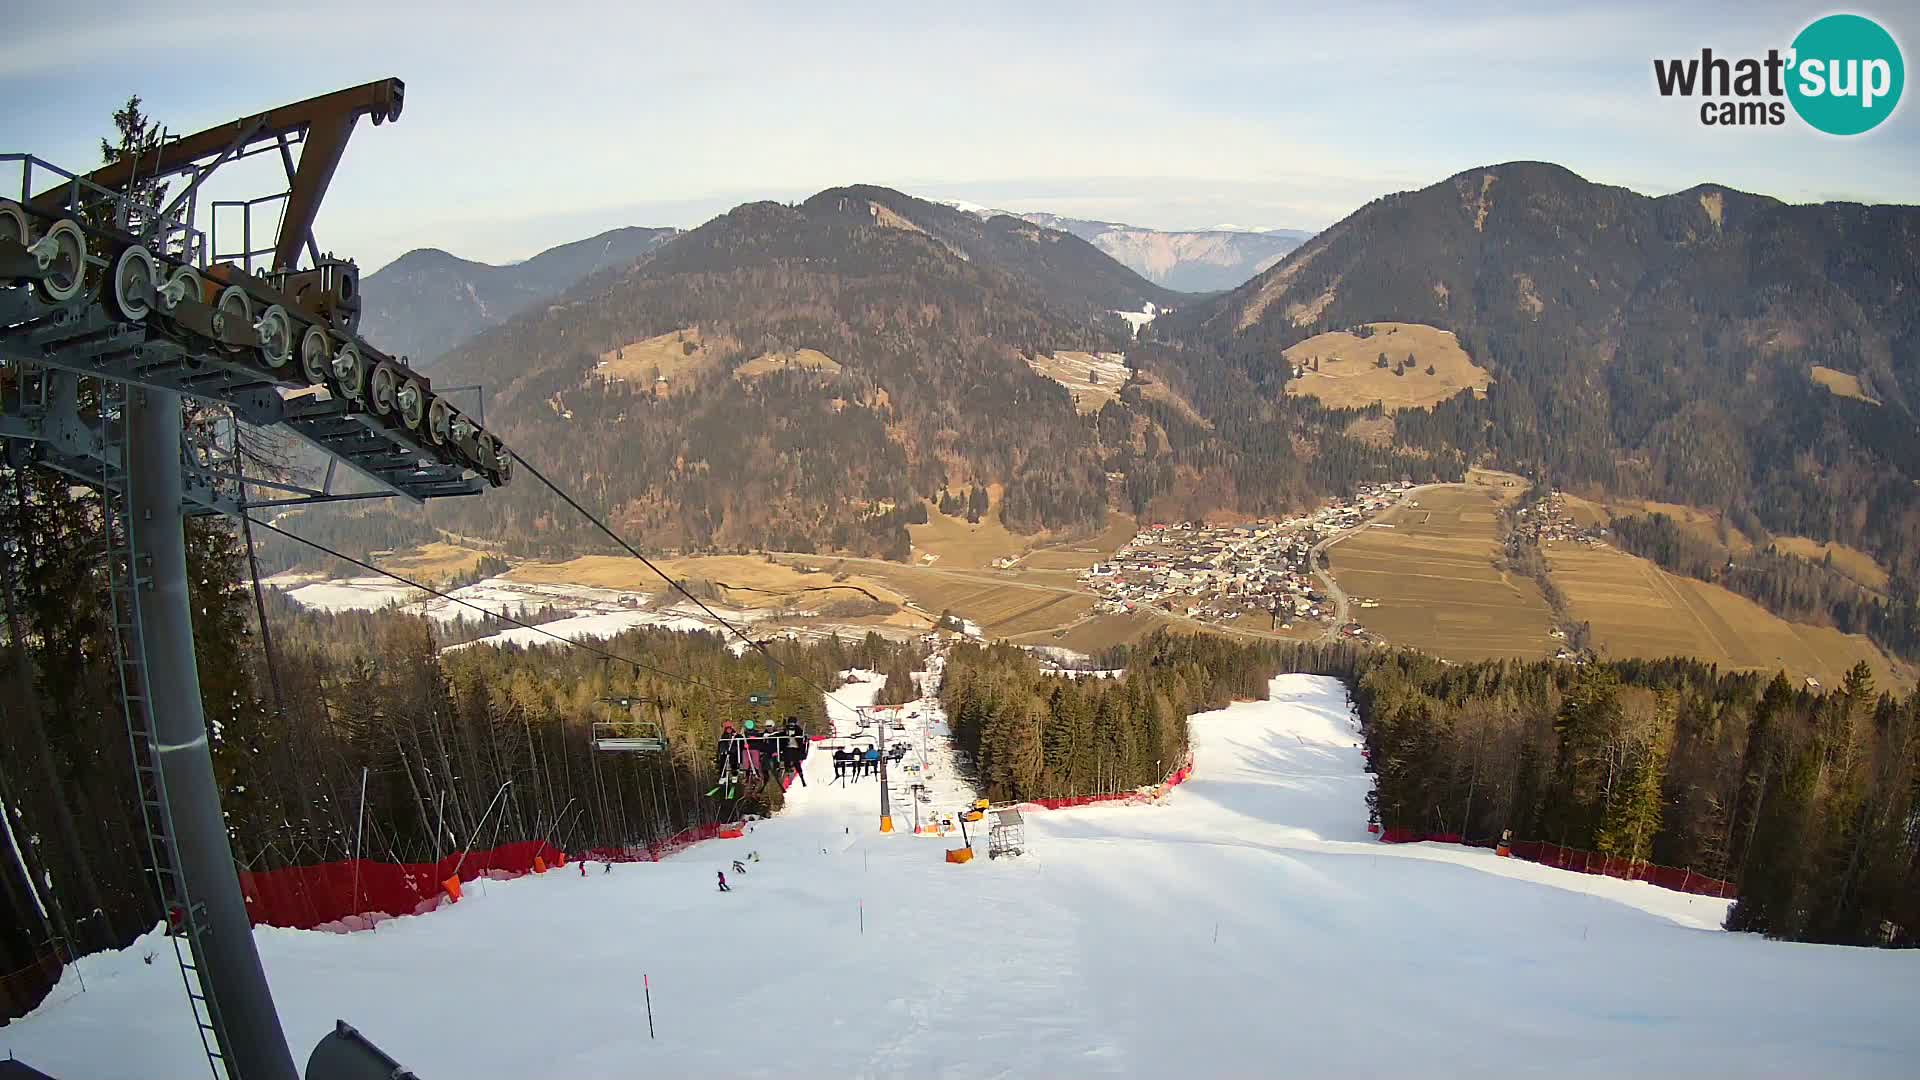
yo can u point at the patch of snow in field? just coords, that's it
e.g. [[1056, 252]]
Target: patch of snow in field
[[597, 624], [1246, 925], [352, 594], [1138, 319]]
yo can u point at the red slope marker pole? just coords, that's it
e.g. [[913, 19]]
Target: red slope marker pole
[[647, 985]]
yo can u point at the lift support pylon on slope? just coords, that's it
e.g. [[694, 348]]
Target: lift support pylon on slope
[[112, 311]]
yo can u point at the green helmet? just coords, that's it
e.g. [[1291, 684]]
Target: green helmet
[[749, 725]]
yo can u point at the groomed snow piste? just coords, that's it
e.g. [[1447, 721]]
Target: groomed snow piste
[[1245, 926]]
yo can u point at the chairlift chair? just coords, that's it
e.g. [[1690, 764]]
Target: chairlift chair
[[628, 736]]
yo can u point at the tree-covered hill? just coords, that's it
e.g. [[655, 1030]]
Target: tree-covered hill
[[1656, 346]]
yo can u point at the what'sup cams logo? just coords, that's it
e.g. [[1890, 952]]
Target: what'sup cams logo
[[1843, 75]]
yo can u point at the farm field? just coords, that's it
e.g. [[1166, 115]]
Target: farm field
[[434, 563], [1348, 376], [1093, 379], [1096, 633], [1432, 573], [1638, 610], [1079, 554], [1006, 608], [953, 541], [744, 581]]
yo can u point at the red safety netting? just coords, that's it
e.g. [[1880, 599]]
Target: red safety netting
[[1585, 862], [357, 893], [1174, 779]]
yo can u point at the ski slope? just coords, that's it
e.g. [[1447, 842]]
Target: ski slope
[[1244, 926]]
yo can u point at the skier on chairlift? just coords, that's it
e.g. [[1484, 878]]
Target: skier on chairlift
[[793, 752]]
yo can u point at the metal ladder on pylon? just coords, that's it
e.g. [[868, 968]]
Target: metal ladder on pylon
[[184, 918]]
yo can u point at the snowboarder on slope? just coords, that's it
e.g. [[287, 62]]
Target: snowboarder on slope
[[723, 880]]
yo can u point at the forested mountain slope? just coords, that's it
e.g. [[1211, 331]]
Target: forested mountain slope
[[428, 301], [798, 376], [1658, 346]]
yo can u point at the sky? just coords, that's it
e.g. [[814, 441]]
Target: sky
[[530, 125]]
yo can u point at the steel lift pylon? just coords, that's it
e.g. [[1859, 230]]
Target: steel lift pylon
[[115, 310]]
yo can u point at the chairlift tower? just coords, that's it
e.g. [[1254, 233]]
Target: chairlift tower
[[113, 312]]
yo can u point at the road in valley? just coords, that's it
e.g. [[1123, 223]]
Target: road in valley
[[1342, 609]]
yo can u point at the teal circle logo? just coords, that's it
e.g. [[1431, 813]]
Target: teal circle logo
[[1847, 74]]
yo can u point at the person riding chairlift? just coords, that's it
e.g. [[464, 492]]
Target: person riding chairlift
[[793, 750], [727, 753]]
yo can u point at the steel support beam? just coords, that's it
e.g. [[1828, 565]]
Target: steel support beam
[[228, 960]]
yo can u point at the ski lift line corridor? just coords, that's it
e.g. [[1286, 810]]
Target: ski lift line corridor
[[773, 663], [1248, 919]]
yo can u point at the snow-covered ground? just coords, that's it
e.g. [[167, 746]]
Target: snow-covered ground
[[1245, 926], [1138, 319], [497, 595], [594, 612]]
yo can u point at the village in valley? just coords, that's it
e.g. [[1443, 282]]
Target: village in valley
[[1261, 571]]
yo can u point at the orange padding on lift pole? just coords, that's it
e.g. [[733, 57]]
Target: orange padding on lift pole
[[960, 855], [452, 886]]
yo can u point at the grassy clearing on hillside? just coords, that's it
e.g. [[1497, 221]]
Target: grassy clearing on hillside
[[1433, 576], [1350, 378], [1840, 383], [434, 563], [1082, 553], [1852, 562], [800, 360], [1153, 389], [1705, 525], [1638, 610], [673, 355], [955, 542], [1092, 378]]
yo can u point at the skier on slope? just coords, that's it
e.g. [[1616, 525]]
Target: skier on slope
[[794, 753], [723, 880]]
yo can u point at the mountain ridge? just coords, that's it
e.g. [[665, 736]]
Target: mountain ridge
[[1646, 345], [429, 300]]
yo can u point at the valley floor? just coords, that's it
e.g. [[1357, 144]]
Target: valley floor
[[1246, 925]]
